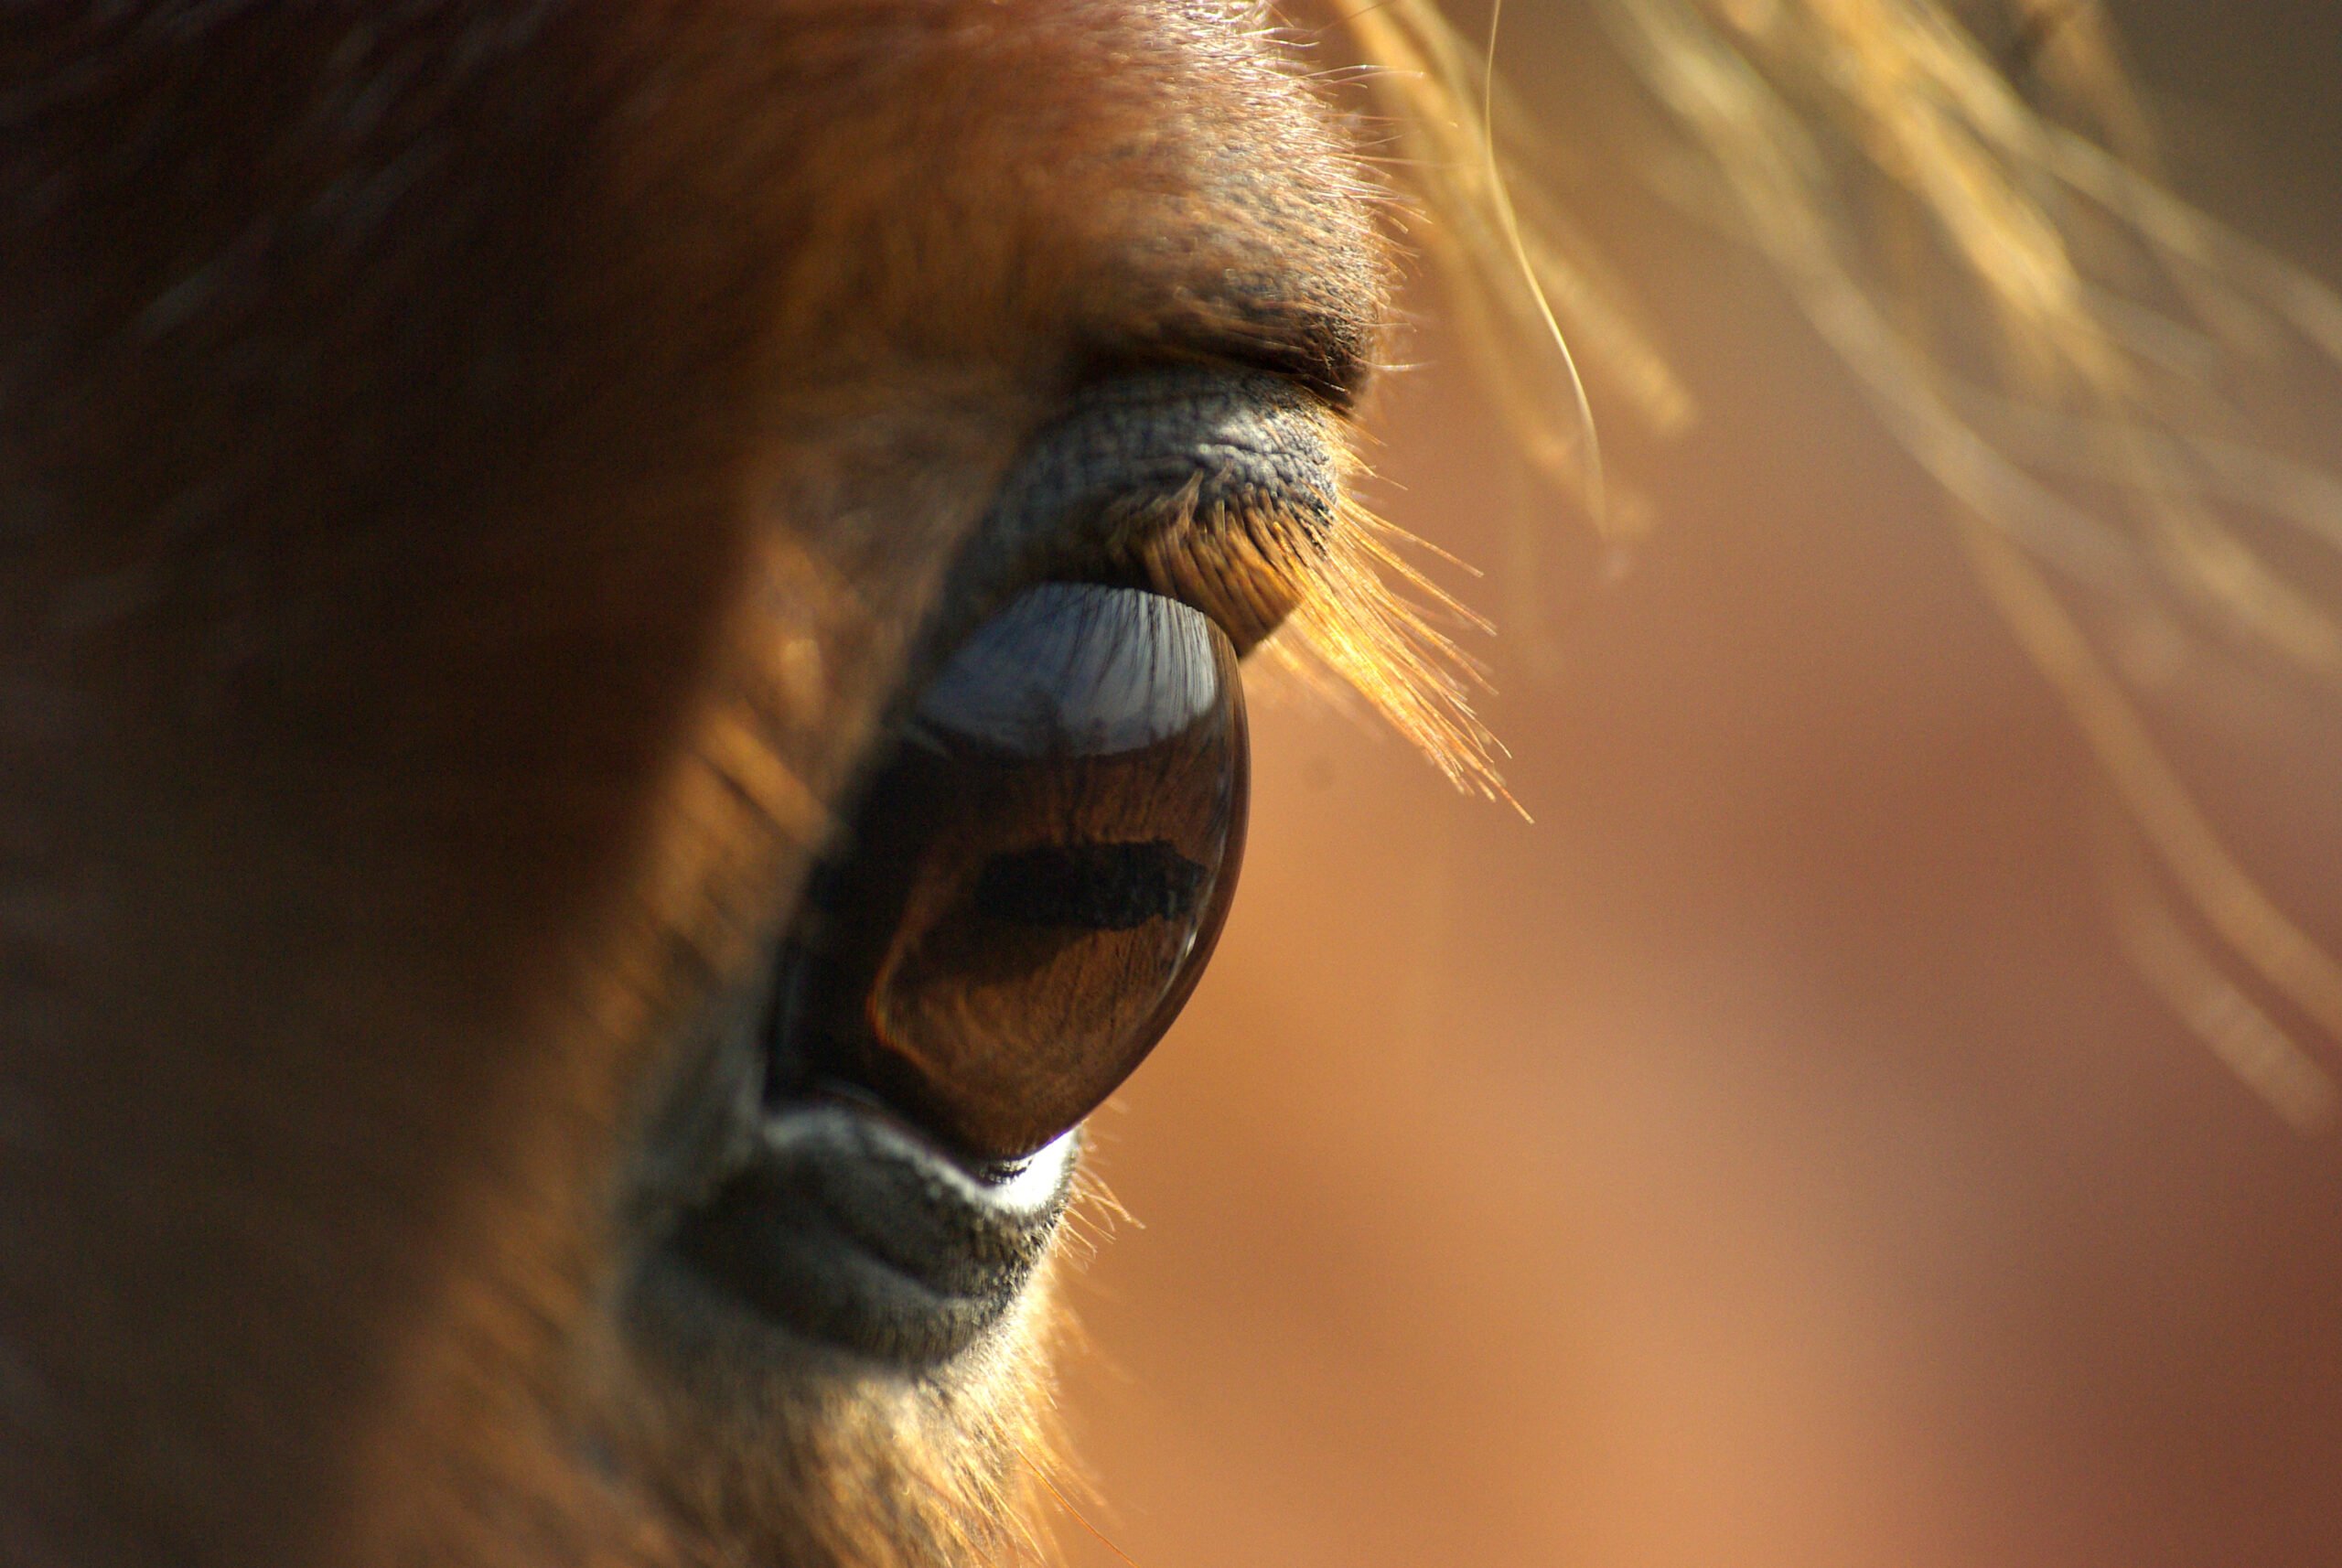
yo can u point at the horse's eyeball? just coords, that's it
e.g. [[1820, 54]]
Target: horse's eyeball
[[1034, 880]]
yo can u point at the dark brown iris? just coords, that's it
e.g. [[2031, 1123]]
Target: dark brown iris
[[1034, 883]]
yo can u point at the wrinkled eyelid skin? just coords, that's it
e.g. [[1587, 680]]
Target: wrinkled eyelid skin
[[476, 479], [1217, 487]]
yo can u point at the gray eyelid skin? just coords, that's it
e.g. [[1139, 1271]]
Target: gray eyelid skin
[[1219, 442]]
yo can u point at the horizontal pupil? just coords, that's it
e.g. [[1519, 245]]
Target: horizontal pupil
[[1094, 887]]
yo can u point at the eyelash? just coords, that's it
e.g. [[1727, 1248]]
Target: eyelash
[[1331, 596]]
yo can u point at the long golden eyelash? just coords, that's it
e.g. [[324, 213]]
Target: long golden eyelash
[[1331, 597], [1384, 643]]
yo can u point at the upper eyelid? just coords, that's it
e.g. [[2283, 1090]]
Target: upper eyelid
[[1325, 352], [1211, 486], [1217, 487], [1250, 522], [1327, 347], [1225, 488]]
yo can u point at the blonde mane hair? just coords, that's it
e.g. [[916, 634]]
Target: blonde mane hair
[[2080, 358]]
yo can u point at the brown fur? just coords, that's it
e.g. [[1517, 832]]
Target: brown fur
[[468, 475]]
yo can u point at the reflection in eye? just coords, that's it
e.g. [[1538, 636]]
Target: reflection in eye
[[1035, 881]]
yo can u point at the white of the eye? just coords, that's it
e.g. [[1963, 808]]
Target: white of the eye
[[842, 1133]]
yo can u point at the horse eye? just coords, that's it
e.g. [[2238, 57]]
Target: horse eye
[[1034, 882]]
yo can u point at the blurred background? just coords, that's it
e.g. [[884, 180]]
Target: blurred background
[[1769, 1158]]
